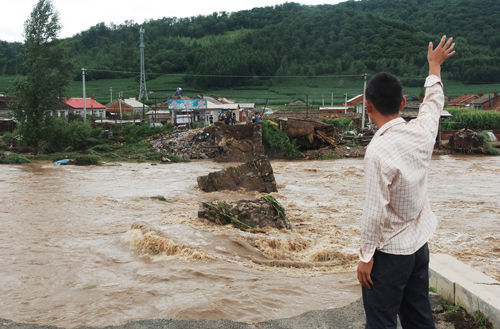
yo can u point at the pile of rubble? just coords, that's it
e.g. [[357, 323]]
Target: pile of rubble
[[220, 142], [466, 141], [188, 144], [310, 134]]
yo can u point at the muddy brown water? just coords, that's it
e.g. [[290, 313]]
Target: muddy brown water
[[69, 257]]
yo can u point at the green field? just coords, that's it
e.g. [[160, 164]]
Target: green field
[[275, 91]]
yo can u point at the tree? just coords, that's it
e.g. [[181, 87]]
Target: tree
[[47, 76]]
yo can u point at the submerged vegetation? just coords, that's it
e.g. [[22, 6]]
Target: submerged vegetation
[[13, 158]]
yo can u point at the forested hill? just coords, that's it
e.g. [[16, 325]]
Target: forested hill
[[292, 39]]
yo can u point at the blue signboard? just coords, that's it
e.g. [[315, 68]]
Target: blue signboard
[[190, 104]]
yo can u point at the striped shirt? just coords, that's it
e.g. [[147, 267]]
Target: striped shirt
[[397, 217]]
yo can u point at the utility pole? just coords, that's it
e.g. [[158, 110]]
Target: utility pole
[[120, 104], [345, 97], [84, 97], [332, 99], [323, 100], [364, 102], [307, 106], [111, 94], [143, 93]]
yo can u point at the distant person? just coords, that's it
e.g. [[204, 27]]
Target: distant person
[[233, 118], [211, 119], [178, 92], [397, 220]]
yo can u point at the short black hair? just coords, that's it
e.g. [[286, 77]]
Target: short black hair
[[385, 91]]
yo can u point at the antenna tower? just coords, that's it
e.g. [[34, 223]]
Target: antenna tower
[[143, 94]]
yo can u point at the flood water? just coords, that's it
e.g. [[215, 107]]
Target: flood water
[[95, 246]]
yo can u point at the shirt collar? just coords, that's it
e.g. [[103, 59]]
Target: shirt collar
[[388, 125]]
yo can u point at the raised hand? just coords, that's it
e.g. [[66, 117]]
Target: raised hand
[[436, 57]]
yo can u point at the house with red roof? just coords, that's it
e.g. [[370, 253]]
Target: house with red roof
[[463, 101], [356, 103], [74, 105]]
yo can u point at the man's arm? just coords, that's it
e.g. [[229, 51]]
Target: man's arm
[[374, 214], [430, 110]]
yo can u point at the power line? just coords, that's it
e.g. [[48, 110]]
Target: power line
[[232, 76]]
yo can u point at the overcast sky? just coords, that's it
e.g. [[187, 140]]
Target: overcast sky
[[78, 15]]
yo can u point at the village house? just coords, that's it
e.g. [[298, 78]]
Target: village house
[[129, 106], [487, 101], [356, 103], [463, 101], [159, 113], [297, 103], [74, 106]]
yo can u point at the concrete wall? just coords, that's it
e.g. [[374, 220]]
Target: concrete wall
[[462, 285]]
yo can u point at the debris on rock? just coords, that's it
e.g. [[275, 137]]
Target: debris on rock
[[246, 214], [255, 175], [225, 143], [310, 134], [466, 141]]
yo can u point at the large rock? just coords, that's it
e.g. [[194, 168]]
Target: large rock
[[246, 214], [255, 175]]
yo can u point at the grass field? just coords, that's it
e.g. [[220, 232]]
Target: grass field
[[276, 91]]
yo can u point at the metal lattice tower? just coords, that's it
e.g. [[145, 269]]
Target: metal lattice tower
[[143, 93]]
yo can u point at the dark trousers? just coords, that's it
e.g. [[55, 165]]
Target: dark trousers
[[400, 287]]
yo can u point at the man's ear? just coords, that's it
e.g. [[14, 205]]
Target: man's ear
[[369, 106], [403, 104]]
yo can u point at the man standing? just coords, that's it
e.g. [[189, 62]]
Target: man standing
[[397, 220]]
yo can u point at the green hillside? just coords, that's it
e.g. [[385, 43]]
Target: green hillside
[[262, 47]]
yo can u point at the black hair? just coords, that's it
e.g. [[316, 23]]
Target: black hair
[[385, 91]]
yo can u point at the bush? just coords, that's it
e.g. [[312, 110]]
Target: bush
[[9, 138], [342, 124], [277, 144], [134, 134], [13, 158], [87, 160], [60, 135]]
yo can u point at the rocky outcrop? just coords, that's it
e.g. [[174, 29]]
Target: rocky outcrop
[[255, 175], [246, 214]]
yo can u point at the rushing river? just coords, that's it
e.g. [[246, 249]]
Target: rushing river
[[70, 256]]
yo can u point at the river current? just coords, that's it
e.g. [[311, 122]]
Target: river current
[[110, 244]]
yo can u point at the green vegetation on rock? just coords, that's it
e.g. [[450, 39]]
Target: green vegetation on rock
[[277, 144]]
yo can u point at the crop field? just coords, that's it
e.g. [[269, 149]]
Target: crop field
[[272, 91]]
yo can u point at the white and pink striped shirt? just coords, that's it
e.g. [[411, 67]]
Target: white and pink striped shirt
[[397, 217]]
